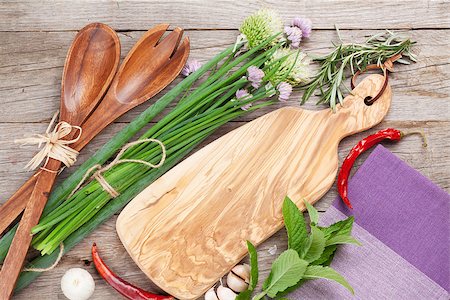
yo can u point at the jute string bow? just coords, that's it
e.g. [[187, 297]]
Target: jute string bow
[[55, 146], [99, 170]]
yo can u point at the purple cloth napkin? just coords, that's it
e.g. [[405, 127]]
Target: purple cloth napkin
[[402, 220]]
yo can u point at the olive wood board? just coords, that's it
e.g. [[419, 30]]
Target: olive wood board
[[189, 228]]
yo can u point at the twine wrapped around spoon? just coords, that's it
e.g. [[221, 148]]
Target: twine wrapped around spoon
[[55, 146]]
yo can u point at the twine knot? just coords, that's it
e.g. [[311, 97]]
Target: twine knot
[[55, 146], [99, 169]]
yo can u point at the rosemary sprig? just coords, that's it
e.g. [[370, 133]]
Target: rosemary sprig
[[351, 56]]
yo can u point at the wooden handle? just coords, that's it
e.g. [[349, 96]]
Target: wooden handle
[[15, 205], [189, 227], [15, 258]]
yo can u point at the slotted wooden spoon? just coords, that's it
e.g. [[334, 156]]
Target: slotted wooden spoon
[[149, 67], [89, 69]]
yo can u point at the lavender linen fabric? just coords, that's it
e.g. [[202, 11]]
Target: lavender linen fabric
[[403, 219], [374, 270]]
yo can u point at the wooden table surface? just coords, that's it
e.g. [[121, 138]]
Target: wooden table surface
[[35, 36]]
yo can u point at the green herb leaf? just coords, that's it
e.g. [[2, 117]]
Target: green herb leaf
[[287, 270], [245, 295], [343, 227], [312, 212], [253, 255], [316, 272], [327, 256], [342, 239], [295, 227], [317, 245], [253, 265], [329, 80]]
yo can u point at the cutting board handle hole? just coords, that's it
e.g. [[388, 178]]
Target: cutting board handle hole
[[368, 101]]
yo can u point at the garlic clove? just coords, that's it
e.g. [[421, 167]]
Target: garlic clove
[[225, 293], [211, 294], [242, 271], [236, 283]]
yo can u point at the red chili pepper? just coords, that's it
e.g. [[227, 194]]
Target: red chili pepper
[[365, 144], [123, 287]]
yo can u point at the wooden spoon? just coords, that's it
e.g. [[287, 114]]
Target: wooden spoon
[[148, 68], [169, 67], [89, 69], [95, 52]]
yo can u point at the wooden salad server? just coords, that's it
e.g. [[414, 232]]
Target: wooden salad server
[[89, 69], [151, 65], [90, 66], [189, 228], [111, 107]]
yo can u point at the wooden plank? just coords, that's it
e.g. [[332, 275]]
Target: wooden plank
[[425, 161], [31, 67], [214, 14], [433, 162]]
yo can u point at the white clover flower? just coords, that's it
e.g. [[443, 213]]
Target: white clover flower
[[295, 70], [260, 26]]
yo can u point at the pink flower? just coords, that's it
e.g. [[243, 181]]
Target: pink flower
[[284, 91], [190, 67], [243, 95], [294, 35], [255, 75], [304, 24]]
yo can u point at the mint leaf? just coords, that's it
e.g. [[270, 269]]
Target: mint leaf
[[317, 245], [338, 228], [245, 295], [287, 270], [253, 255], [342, 239], [316, 272], [312, 212], [295, 227], [327, 256], [253, 266], [343, 227]]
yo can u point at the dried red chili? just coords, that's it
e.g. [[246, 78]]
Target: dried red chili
[[363, 145], [123, 287]]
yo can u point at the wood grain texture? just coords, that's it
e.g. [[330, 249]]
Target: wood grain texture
[[30, 75], [232, 191], [31, 60], [47, 15]]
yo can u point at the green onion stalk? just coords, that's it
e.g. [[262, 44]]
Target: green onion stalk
[[239, 80]]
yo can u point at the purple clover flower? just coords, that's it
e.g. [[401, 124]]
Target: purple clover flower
[[304, 24], [284, 91], [255, 75], [190, 67], [294, 35], [243, 95]]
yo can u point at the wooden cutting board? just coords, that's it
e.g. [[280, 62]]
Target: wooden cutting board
[[189, 228]]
